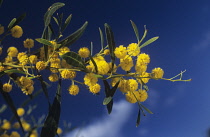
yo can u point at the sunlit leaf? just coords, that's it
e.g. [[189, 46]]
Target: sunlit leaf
[[66, 23], [44, 41], [149, 42], [144, 35], [10, 103], [138, 118], [149, 111], [51, 123], [56, 20], [135, 30], [14, 71], [99, 76], [50, 12], [107, 100], [11, 24], [73, 37], [74, 59], [3, 108]]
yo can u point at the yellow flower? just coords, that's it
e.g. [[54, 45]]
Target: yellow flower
[[26, 126], [120, 52], [33, 59], [123, 85], [130, 97], [15, 134], [133, 49], [16, 125], [63, 50], [1, 30], [145, 78], [20, 111], [90, 79], [68, 74], [73, 90], [28, 43], [143, 59], [0, 50], [55, 60], [7, 87], [2, 68], [95, 88], [34, 134], [20, 55], [4, 135], [140, 68], [12, 51], [114, 67], [106, 52], [115, 80], [131, 85], [6, 125], [40, 65], [23, 60], [28, 90], [84, 52], [25, 82], [157, 73], [126, 63], [17, 31], [141, 95], [59, 131], [103, 67], [53, 78]]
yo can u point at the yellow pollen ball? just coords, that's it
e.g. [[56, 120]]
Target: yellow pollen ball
[[130, 97], [20, 111], [1, 30], [73, 90], [53, 78], [17, 31], [12, 51], [68, 74], [90, 79], [33, 59], [59, 131], [141, 95], [120, 52], [143, 59], [15, 134], [84, 52], [131, 85], [7, 87], [133, 49], [126, 63], [157, 73], [4, 135], [40, 65], [6, 125], [106, 52], [95, 88], [28, 43]]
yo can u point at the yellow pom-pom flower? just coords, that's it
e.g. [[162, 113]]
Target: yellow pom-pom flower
[[4, 135], [15, 134], [68, 74], [140, 68], [59, 131], [17, 31], [28, 90], [2, 68], [20, 55], [133, 49], [123, 85], [95, 88], [6, 125], [157, 73], [12, 51], [131, 85], [1, 30], [28, 43], [26, 126], [130, 97], [141, 95], [20, 111], [33, 59], [90, 79], [53, 78], [126, 63], [7, 87], [106, 52], [120, 52], [84, 52], [143, 59], [63, 50], [40, 65], [23, 60], [73, 90], [103, 67], [145, 78]]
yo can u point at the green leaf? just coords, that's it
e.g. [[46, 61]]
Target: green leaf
[[20, 18], [138, 118], [60, 18], [74, 59], [102, 38], [146, 109], [56, 20], [149, 42], [107, 100], [12, 22], [94, 63], [110, 42], [99, 76], [1, 1], [44, 41], [50, 12], [14, 71], [108, 94], [10, 103], [50, 31], [66, 23], [51, 123], [135, 30], [144, 35], [73, 37]]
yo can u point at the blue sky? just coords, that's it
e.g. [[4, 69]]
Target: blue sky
[[181, 109]]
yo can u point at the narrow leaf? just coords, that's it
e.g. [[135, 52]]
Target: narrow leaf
[[10, 103], [99, 76], [66, 23], [149, 42], [138, 118], [50, 12], [94, 63], [11, 24], [20, 18], [146, 109], [73, 37], [52, 120], [74, 59], [44, 41], [107, 88], [102, 38], [135, 30], [14, 71], [56, 20], [114, 88], [144, 35], [109, 106], [107, 100]]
